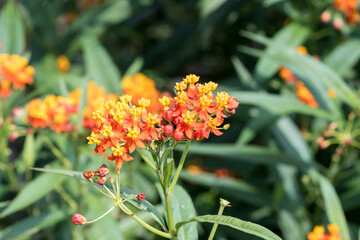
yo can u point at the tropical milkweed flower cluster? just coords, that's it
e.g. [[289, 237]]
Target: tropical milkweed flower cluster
[[140, 86], [348, 8], [318, 233], [53, 111], [14, 73], [56, 111], [193, 113], [303, 93]]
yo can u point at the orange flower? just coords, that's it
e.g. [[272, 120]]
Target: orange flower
[[63, 64], [305, 95], [193, 113], [318, 233], [332, 93], [349, 8], [15, 72], [53, 112], [140, 86]]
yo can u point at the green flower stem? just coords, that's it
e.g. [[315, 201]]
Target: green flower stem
[[179, 168], [111, 194], [146, 225], [223, 204], [102, 192], [170, 216], [102, 215]]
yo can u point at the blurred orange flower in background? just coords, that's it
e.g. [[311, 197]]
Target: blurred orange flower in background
[[14, 72]]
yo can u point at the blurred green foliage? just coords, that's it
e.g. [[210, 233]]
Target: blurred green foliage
[[278, 176]]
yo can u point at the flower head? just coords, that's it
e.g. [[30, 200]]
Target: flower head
[[78, 219]]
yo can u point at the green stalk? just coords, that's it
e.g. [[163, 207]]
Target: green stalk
[[179, 168], [223, 204], [170, 216], [144, 224]]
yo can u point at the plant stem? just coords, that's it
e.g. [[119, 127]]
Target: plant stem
[[179, 168], [169, 213], [146, 225], [223, 204], [102, 215]]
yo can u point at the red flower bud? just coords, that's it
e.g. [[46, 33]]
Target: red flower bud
[[326, 17], [168, 115], [178, 135], [103, 171], [89, 174], [101, 181], [338, 23], [168, 129], [148, 140], [141, 196], [177, 120], [78, 219]]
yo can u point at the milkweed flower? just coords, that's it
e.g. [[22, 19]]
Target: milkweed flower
[[193, 113], [318, 233], [78, 219], [14, 73], [63, 63]]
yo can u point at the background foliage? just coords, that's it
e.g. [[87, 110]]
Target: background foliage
[[277, 176]]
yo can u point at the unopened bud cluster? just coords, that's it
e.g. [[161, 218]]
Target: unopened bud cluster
[[99, 175]]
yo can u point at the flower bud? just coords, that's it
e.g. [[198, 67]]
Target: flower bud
[[177, 120], [102, 171], [322, 143], [141, 196], [338, 23], [148, 140], [89, 174], [326, 16], [13, 136], [333, 126], [111, 180], [101, 181], [168, 129], [168, 115], [224, 202], [226, 126], [178, 135], [347, 141], [78, 219], [198, 135], [326, 134], [338, 152]]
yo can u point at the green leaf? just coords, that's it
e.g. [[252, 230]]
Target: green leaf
[[99, 65], [289, 226], [292, 35], [12, 31], [69, 173], [183, 208], [143, 205], [33, 191], [236, 188], [169, 171], [235, 223], [334, 210], [135, 67], [252, 154], [344, 56], [243, 74], [278, 104], [31, 225]]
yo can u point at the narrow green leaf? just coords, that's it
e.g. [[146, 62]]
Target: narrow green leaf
[[33, 191], [243, 74], [289, 226], [135, 67], [292, 35], [69, 173], [236, 188], [334, 210], [29, 226], [235, 223], [344, 56], [12, 31], [99, 65], [278, 104], [169, 171], [253, 154]]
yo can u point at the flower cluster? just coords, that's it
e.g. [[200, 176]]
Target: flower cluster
[[346, 7], [303, 93], [318, 233], [140, 86], [99, 175], [338, 134], [14, 72], [193, 113], [53, 111]]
